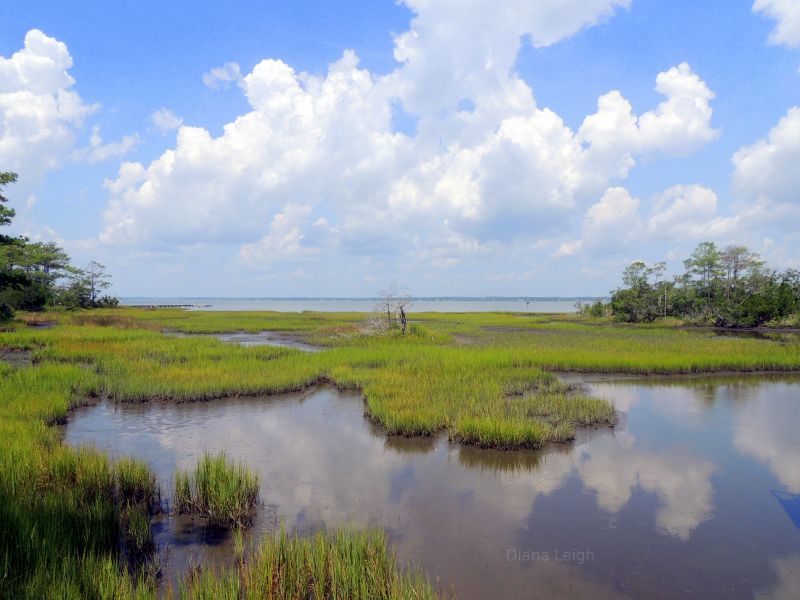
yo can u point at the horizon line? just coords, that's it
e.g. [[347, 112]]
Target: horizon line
[[338, 298]]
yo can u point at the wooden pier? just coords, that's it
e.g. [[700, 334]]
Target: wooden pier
[[157, 306]]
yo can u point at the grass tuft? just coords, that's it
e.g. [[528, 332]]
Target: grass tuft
[[222, 491], [331, 565]]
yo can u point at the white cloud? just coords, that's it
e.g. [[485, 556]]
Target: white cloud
[[768, 168], [165, 120], [221, 77], [474, 180], [569, 248], [613, 220], [97, 151], [284, 239], [316, 141], [40, 113], [679, 125], [683, 212], [786, 13], [457, 49], [327, 142]]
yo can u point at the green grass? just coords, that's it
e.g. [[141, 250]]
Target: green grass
[[219, 490], [338, 565], [136, 485], [136, 530], [486, 379]]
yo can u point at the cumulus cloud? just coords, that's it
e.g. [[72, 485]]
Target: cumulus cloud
[[768, 168], [786, 13], [327, 142], [165, 120], [221, 77], [285, 237], [98, 151], [682, 213], [324, 142], [485, 169], [457, 49], [613, 220], [678, 126], [40, 113]]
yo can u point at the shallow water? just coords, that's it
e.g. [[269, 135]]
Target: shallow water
[[262, 338], [693, 493], [16, 358]]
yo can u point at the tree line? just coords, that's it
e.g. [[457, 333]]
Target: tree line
[[726, 287], [36, 275]]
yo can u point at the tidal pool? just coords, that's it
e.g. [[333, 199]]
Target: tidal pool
[[262, 338], [696, 493], [16, 358]]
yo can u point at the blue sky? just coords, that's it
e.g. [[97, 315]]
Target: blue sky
[[452, 146]]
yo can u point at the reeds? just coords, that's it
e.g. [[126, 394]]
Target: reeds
[[222, 491], [341, 564], [137, 485]]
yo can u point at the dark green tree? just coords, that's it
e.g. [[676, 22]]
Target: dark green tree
[[38, 274], [9, 279], [728, 288], [6, 214], [706, 263]]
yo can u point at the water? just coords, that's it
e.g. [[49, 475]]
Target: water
[[15, 358], [695, 493], [262, 338], [534, 305]]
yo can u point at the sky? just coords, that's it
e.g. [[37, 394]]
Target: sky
[[452, 147]]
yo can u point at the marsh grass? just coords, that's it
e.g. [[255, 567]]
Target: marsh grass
[[135, 521], [329, 565], [492, 433], [64, 511], [220, 490], [137, 485]]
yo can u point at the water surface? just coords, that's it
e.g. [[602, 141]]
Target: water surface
[[533, 305], [262, 338], [693, 494], [16, 358]]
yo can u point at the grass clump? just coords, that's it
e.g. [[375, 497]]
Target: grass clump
[[137, 485], [136, 530], [493, 433], [220, 490], [342, 564], [575, 410]]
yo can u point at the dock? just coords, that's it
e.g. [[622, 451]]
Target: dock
[[157, 306]]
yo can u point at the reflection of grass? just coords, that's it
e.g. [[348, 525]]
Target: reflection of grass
[[64, 511], [329, 565], [219, 490]]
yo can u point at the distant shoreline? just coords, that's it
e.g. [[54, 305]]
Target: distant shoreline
[[128, 299], [453, 304]]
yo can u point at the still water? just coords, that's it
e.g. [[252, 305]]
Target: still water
[[262, 338], [696, 493]]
